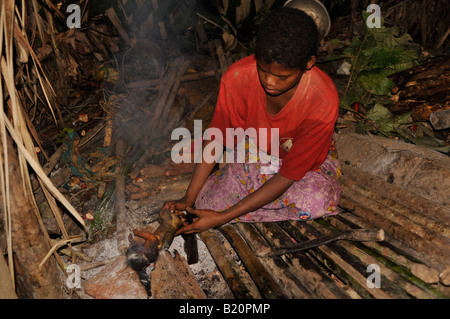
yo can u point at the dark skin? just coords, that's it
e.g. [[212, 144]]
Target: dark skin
[[279, 84]]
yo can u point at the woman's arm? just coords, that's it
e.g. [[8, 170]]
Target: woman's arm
[[268, 192], [201, 173], [272, 189]]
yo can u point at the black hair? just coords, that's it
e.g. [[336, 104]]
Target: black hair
[[287, 36]]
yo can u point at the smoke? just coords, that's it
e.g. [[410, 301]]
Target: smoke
[[159, 34]]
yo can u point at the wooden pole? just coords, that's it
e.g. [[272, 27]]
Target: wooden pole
[[238, 280], [29, 243], [267, 285], [353, 235], [119, 206]]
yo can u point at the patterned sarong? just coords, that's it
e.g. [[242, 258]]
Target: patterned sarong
[[314, 196]]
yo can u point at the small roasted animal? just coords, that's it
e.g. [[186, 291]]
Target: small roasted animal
[[141, 254]]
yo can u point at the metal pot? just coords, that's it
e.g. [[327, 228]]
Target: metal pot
[[316, 10]]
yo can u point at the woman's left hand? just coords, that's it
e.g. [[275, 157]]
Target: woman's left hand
[[205, 219]]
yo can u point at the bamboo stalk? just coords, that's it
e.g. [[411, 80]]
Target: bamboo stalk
[[317, 283], [237, 280], [275, 265], [405, 215], [344, 265], [351, 201], [140, 255], [393, 246], [395, 274], [385, 248], [268, 287], [168, 225], [402, 255], [394, 278]]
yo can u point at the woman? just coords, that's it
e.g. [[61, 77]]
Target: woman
[[277, 88]]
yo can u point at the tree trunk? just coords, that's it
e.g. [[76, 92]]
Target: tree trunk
[[28, 242]]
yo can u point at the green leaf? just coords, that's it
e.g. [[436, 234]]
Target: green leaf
[[355, 44], [336, 41], [390, 124], [384, 120], [376, 82], [381, 57], [378, 113]]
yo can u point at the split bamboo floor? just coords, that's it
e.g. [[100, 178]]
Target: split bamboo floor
[[339, 270]]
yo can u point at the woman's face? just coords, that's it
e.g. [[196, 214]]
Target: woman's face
[[277, 79]]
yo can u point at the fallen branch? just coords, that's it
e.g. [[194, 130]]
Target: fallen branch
[[60, 244], [96, 264]]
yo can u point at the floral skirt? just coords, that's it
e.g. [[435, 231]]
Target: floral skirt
[[314, 196]]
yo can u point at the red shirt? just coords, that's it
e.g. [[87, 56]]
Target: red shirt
[[306, 123]]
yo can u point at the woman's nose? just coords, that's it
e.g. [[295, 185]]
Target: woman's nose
[[270, 81]]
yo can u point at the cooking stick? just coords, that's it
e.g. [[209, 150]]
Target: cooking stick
[[353, 235]]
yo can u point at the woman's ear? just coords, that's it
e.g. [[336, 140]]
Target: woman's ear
[[311, 62]]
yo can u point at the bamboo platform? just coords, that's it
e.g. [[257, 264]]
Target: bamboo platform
[[410, 259], [334, 271], [385, 185]]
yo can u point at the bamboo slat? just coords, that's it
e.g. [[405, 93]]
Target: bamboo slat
[[267, 285]]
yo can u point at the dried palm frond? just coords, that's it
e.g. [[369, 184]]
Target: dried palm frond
[[14, 123], [4, 176]]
